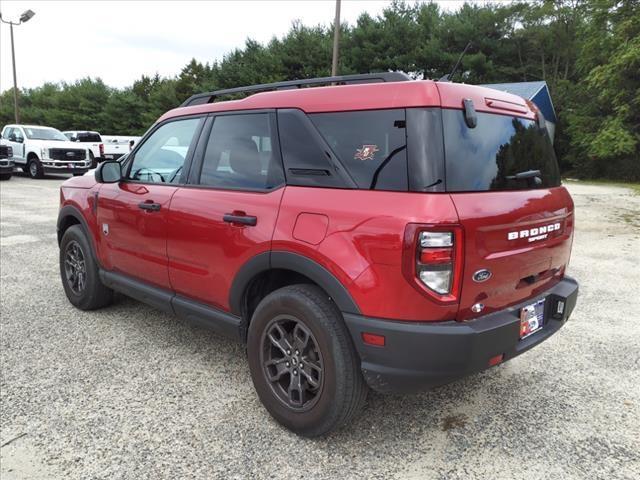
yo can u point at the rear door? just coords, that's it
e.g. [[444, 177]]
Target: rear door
[[228, 213], [504, 180], [133, 214]]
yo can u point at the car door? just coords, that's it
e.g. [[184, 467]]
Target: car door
[[132, 214], [227, 214], [15, 139]]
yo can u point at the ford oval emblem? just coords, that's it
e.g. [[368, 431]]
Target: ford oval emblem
[[482, 275]]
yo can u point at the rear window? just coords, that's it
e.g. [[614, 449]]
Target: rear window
[[89, 137], [370, 144], [488, 156]]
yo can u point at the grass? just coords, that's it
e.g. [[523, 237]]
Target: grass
[[635, 187]]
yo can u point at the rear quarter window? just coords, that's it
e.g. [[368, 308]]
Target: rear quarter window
[[371, 145], [487, 157]]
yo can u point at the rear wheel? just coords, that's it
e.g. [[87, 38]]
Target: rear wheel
[[303, 364], [94, 163], [79, 272], [34, 168]]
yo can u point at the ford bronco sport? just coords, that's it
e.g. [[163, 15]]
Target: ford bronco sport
[[371, 232]]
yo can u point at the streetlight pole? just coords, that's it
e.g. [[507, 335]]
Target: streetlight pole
[[336, 40], [25, 17]]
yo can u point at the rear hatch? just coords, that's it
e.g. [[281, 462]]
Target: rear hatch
[[503, 178]]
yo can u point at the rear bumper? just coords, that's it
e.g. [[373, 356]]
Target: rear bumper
[[418, 356]]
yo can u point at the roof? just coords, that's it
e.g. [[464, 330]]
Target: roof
[[537, 92], [366, 96], [22, 125]]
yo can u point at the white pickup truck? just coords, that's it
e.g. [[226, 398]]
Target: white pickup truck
[[91, 140], [116, 145], [39, 150]]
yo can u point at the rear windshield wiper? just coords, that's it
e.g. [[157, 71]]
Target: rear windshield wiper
[[529, 174]]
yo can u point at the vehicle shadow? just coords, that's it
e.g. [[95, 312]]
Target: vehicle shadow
[[442, 410]]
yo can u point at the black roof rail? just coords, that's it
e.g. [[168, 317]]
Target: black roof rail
[[209, 97]]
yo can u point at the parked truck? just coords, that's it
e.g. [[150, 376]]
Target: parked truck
[[39, 150]]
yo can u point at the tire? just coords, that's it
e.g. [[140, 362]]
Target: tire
[[94, 163], [5, 176], [307, 312], [34, 168], [85, 291]]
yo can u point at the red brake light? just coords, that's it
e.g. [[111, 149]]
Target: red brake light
[[436, 255], [432, 260], [102, 149]]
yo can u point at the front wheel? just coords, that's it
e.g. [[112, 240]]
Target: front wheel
[[79, 272], [34, 168], [302, 361]]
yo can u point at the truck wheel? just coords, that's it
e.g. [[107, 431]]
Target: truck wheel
[[5, 176], [34, 168], [302, 361], [94, 163], [79, 272]]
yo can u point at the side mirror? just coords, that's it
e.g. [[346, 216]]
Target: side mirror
[[12, 137], [109, 172], [19, 139], [73, 139]]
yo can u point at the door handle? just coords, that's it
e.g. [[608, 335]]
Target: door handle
[[240, 219], [150, 206]]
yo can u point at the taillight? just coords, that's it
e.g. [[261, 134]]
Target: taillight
[[102, 149], [432, 260]]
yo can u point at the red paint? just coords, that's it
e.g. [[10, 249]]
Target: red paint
[[137, 240], [366, 239], [425, 93], [204, 252], [487, 218], [311, 228]]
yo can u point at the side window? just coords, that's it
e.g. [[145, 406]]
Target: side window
[[240, 154], [161, 157], [307, 160], [370, 144]]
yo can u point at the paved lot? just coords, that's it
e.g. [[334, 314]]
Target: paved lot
[[128, 392]]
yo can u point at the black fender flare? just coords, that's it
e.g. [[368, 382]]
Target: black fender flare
[[71, 211], [296, 263]]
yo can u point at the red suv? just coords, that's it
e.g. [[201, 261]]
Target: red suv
[[370, 232]]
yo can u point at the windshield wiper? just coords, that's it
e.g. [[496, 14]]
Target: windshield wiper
[[527, 175]]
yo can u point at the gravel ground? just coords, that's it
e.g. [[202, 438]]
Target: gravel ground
[[128, 392]]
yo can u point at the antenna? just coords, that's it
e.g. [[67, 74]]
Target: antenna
[[447, 78]]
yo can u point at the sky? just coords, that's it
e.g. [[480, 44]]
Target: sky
[[119, 41]]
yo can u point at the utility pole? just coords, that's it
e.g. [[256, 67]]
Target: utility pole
[[15, 81], [25, 17], [336, 40]]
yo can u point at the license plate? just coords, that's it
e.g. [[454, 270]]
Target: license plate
[[531, 318]]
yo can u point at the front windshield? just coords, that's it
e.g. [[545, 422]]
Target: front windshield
[[35, 133]]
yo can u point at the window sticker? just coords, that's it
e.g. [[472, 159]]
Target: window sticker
[[367, 152]]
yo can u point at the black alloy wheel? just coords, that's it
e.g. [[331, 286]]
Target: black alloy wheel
[[292, 362], [75, 268]]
